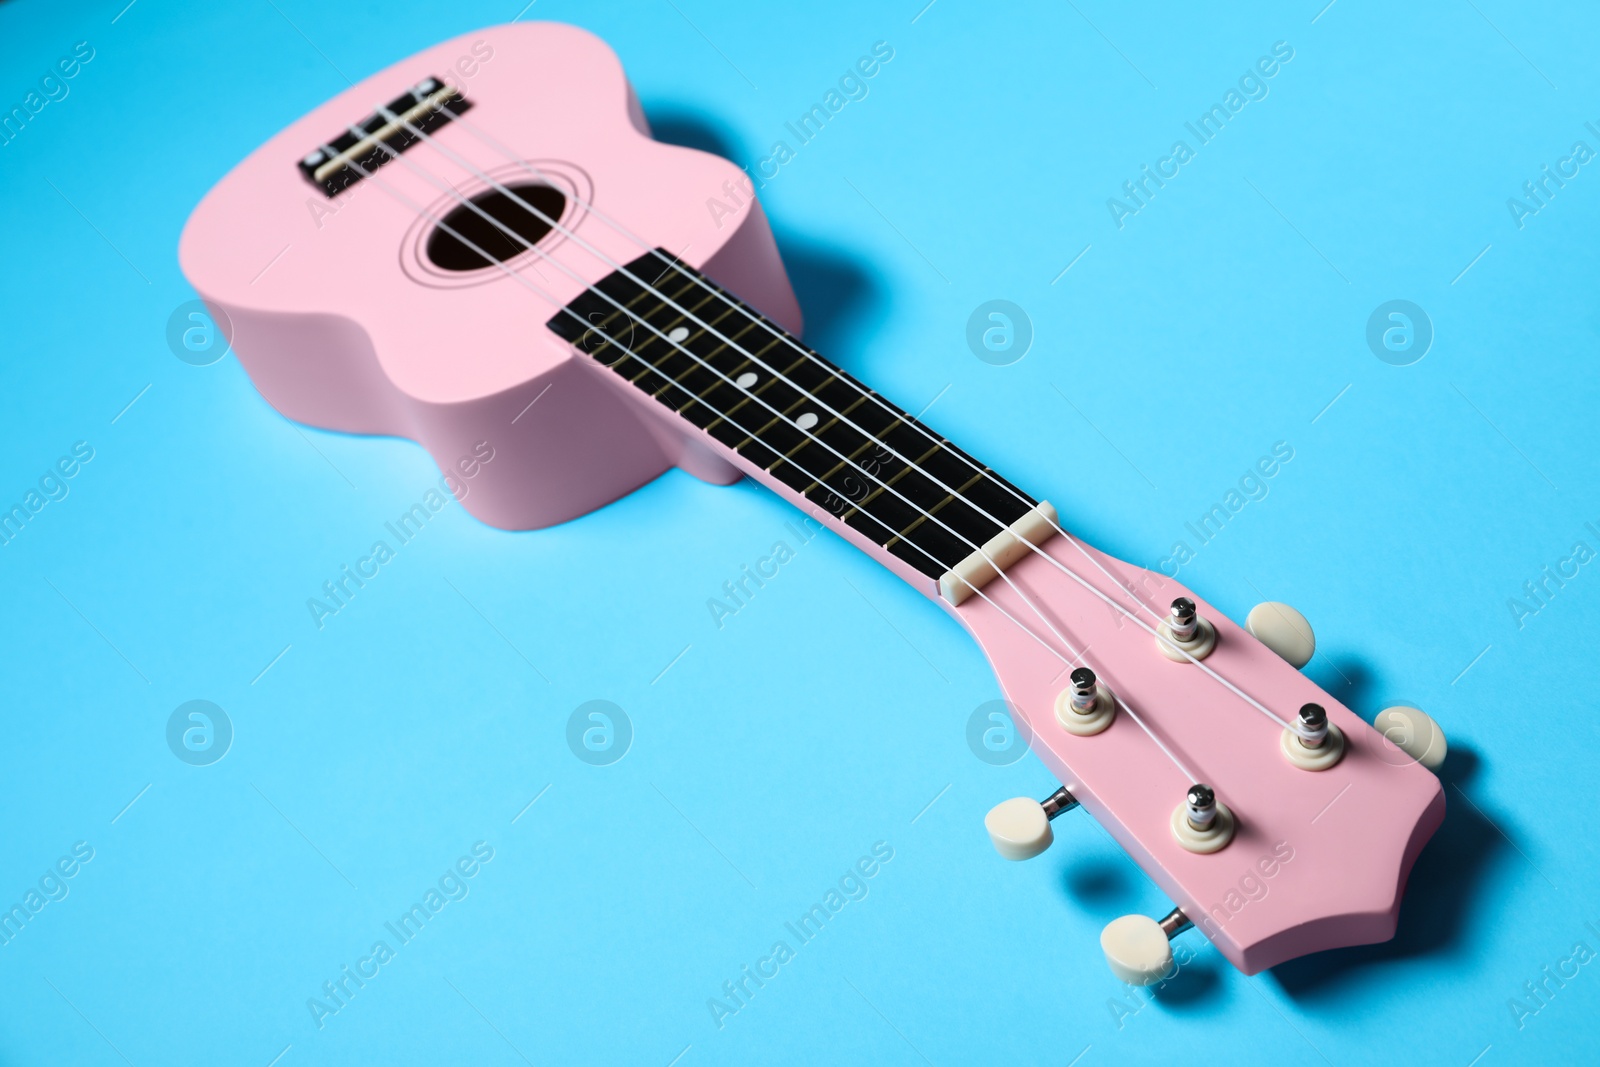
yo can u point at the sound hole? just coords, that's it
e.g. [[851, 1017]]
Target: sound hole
[[448, 251]]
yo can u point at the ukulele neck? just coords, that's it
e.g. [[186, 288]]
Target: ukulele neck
[[856, 460]]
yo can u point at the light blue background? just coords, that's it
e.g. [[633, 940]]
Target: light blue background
[[827, 715]]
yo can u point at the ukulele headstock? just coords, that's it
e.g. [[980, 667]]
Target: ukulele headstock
[[1314, 821]]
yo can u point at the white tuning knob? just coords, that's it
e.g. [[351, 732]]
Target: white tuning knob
[[1282, 629], [1137, 950], [1413, 732], [1019, 828]]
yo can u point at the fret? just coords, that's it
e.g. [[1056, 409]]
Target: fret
[[701, 371], [949, 499], [724, 399], [867, 463], [737, 410], [889, 482], [735, 333], [617, 318], [818, 438], [873, 439]]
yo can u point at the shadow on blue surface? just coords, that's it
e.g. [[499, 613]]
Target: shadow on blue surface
[[1350, 680], [1442, 899], [679, 125], [1097, 880], [833, 291], [1194, 987]]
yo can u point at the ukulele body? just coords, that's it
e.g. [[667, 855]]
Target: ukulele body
[[342, 320]]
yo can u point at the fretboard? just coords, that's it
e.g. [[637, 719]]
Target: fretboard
[[756, 389]]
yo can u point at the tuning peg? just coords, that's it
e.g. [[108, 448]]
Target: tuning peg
[[1282, 629], [1020, 827], [1139, 949], [1183, 635], [1312, 743], [1413, 732]]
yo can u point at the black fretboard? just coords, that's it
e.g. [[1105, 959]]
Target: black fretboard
[[849, 459]]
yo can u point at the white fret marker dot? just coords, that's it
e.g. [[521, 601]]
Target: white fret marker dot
[[678, 334], [806, 421], [745, 380]]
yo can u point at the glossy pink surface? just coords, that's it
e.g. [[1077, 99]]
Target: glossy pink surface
[[340, 324]]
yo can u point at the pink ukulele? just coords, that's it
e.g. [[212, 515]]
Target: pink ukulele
[[527, 267]]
